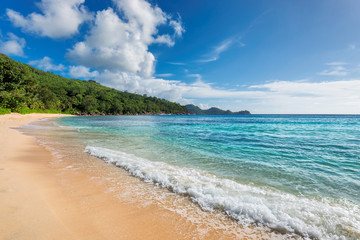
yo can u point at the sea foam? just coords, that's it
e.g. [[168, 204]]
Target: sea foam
[[311, 218]]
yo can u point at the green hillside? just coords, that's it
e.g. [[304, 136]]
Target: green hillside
[[194, 109], [213, 111], [27, 89]]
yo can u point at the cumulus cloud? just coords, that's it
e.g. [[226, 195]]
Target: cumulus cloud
[[12, 45], [172, 90], [82, 72], [59, 18], [119, 40], [47, 65], [114, 45], [168, 89], [165, 39]]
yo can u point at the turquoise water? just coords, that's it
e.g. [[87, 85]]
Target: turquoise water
[[292, 173]]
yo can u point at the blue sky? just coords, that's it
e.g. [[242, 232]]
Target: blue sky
[[264, 56]]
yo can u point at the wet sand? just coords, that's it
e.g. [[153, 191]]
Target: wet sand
[[42, 200]]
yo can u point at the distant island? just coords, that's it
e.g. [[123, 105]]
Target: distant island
[[213, 111]]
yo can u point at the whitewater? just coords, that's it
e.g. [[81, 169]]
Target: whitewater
[[294, 174]]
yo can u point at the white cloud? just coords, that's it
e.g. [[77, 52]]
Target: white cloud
[[197, 76], [142, 16], [171, 90], [164, 75], [214, 55], [59, 18], [332, 97], [47, 65], [178, 28], [116, 45], [119, 41], [164, 39], [177, 63], [12, 45], [273, 97], [337, 70], [203, 106], [82, 72]]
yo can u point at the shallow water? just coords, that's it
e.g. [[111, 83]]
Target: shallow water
[[298, 175]]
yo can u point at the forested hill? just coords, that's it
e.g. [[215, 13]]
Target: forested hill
[[27, 89], [213, 111]]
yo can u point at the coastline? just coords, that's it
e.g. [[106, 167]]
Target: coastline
[[24, 210], [41, 201]]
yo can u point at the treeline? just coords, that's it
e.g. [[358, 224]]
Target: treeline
[[24, 88]]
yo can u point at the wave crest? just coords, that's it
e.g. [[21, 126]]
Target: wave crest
[[284, 212]]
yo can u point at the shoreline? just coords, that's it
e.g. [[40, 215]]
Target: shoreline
[[25, 213], [42, 201]]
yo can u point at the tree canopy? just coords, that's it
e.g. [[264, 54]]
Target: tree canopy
[[25, 87]]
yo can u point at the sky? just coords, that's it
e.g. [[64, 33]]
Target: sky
[[279, 56]]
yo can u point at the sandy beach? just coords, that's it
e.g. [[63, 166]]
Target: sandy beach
[[40, 201]]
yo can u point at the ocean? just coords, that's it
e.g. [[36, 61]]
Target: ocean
[[297, 175]]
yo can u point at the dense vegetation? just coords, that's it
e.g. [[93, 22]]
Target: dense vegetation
[[27, 89], [213, 111]]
